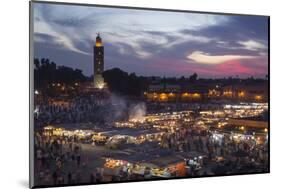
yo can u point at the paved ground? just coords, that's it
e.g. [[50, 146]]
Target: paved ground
[[91, 158]]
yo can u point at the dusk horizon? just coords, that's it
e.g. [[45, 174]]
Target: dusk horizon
[[141, 42]]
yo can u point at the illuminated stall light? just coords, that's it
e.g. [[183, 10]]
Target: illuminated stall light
[[49, 127], [155, 95], [227, 93], [196, 95], [258, 97], [163, 97], [213, 93], [171, 95], [241, 94], [185, 94]]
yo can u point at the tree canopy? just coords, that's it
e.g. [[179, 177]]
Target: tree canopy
[[47, 72]]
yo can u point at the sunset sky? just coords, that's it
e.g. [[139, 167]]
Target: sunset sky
[[153, 42]]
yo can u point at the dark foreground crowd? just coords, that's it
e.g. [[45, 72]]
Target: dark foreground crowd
[[60, 160]]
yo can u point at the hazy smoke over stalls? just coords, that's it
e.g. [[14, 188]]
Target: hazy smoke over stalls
[[118, 108], [137, 112]]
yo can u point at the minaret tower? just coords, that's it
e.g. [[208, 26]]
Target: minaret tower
[[98, 63]]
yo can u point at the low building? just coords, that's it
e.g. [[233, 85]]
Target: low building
[[171, 93], [251, 92], [254, 92]]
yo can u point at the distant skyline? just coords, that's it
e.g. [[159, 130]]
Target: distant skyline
[[153, 43]]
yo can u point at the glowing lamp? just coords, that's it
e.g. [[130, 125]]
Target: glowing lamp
[[196, 95], [98, 43], [163, 96], [241, 94], [258, 97], [185, 94]]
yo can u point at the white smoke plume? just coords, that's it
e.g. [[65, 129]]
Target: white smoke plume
[[137, 113]]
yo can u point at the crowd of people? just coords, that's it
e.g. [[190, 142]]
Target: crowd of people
[[60, 160], [80, 109], [235, 154]]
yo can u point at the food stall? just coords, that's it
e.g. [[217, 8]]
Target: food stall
[[52, 131], [98, 138], [168, 166], [114, 167]]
